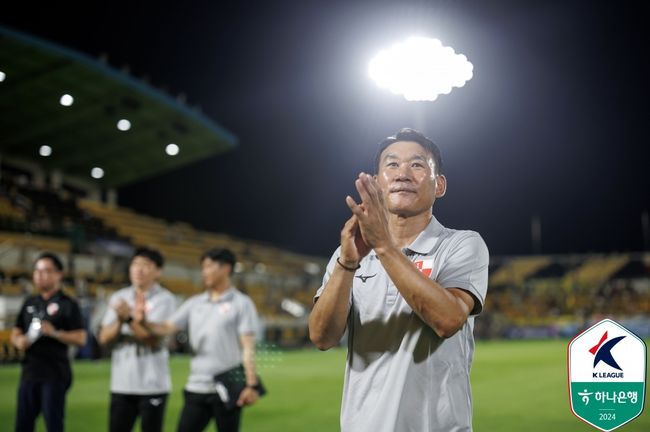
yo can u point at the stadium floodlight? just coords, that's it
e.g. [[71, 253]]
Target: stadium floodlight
[[45, 150], [97, 173], [66, 100], [2, 76], [420, 69], [124, 125], [172, 149]]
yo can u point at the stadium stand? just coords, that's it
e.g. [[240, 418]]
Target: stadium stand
[[559, 297], [268, 274]]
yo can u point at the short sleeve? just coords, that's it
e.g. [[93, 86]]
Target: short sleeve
[[247, 320], [75, 320], [180, 318], [163, 308], [466, 267], [110, 316], [328, 272], [20, 319], [169, 306]]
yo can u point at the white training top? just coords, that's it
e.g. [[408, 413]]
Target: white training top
[[214, 329], [137, 368], [399, 375]]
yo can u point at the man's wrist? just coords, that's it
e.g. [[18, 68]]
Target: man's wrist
[[146, 325], [383, 251], [348, 266], [56, 334]]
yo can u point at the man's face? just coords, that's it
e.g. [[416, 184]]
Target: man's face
[[214, 272], [46, 276], [143, 272], [406, 175]]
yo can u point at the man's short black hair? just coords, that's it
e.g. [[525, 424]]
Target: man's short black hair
[[408, 134], [221, 255], [151, 254], [52, 257]]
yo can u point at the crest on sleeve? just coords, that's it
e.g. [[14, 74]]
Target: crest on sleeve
[[425, 266]]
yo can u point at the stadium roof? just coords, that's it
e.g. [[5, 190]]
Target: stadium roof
[[35, 74]]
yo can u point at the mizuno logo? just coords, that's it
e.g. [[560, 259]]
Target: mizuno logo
[[604, 352], [156, 401], [365, 278]]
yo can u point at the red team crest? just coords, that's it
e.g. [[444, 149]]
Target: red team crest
[[224, 308], [52, 309], [425, 266]]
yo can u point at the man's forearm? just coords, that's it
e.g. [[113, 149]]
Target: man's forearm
[[329, 315], [109, 333], [71, 337], [248, 360], [162, 329], [145, 335], [18, 339], [438, 307]]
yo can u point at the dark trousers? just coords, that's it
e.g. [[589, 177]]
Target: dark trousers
[[200, 408], [125, 409], [35, 397]]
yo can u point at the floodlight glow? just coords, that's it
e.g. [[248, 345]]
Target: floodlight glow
[[312, 268], [293, 307], [124, 125], [420, 69], [66, 100], [97, 173], [2, 76], [172, 149], [45, 150]]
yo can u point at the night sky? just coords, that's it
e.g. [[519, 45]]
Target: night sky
[[554, 123]]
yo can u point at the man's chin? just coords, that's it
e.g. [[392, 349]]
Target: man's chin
[[401, 206], [405, 210]]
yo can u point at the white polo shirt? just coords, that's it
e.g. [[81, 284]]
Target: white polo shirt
[[399, 375], [137, 368], [214, 329]]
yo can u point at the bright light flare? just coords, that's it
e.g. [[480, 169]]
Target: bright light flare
[[172, 149], [124, 125], [66, 100], [97, 173], [45, 150], [293, 307], [420, 69]]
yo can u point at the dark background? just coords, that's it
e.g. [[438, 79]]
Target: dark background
[[554, 123]]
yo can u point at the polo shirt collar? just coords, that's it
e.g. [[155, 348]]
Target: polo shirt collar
[[426, 240], [54, 296], [151, 291], [154, 289], [226, 296]]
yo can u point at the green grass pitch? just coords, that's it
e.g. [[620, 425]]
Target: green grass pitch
[[517, 386]]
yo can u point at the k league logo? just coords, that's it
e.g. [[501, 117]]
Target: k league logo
[[607, 375]]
